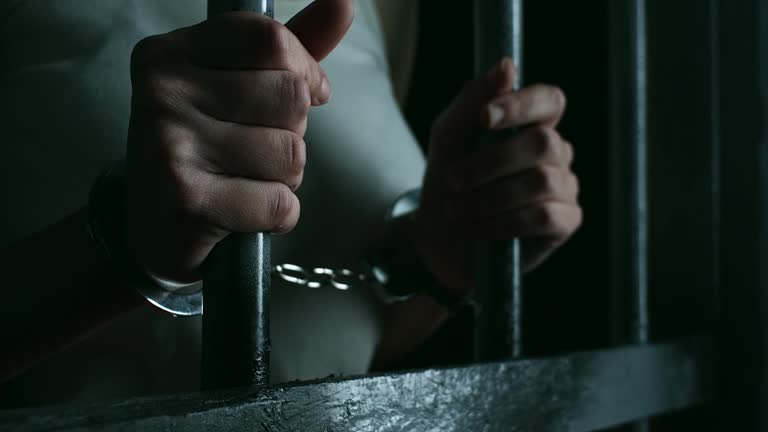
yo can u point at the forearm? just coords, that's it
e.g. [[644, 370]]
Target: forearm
[[57, 288], [406, 327]]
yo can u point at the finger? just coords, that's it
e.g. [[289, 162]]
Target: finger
[[540, 184], [527, 149], [236, 204], [276, 99], [256, 153], [461, 119], [322, 25], [553, 220], [535, 104], [244, 40], [568, 153]]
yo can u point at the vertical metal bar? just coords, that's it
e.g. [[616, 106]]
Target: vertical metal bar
[[237, 277], [639, 188], [630, 171], [498, 332], [265, 7]]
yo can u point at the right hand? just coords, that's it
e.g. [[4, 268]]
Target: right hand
[[215, 143]]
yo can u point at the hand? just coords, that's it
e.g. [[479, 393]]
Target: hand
[[215, 141], [520, 186]]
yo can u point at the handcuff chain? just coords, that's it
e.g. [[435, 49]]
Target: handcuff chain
[[320, 277]]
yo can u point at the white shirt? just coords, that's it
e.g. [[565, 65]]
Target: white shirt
[[64, 107]]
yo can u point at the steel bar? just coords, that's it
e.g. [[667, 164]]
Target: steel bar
[[630, 171], [237, 276], [577, 392], [630, 167], [498, 326]]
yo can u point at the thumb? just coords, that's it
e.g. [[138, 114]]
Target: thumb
[[321, 25]]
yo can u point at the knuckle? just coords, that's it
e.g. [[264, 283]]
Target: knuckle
[[150, 55], [556, 219], [298, 93], [188, 190], [544, 179], [178, 156], [569, 152], [276, 39], [144, 52], [158, 88], [179, 147], [576, 184], [547, 217], [544, 142], [296, 159]]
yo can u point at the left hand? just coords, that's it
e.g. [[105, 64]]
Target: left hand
[[520, 187]]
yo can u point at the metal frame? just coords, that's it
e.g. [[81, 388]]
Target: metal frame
[[577, 392]]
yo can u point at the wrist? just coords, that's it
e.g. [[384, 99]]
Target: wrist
[[436, 252], [107, 228], [400, 262]]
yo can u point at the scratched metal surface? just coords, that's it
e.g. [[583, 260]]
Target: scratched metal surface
[[576, 392]]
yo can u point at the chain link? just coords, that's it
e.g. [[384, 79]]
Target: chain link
[[340, 279]]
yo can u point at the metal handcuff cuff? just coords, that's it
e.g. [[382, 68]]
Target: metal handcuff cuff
[[391, 269]]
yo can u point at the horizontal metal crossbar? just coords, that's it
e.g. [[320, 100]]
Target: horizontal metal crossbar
[[575, 392]]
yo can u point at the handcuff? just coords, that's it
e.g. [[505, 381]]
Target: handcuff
[[106, 228], [392, 268]]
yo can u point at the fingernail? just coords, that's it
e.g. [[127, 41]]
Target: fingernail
[[495, 115]]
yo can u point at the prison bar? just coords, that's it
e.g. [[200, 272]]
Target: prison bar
[[630, 170], [498, 322], [236, 277], [630, 174]]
